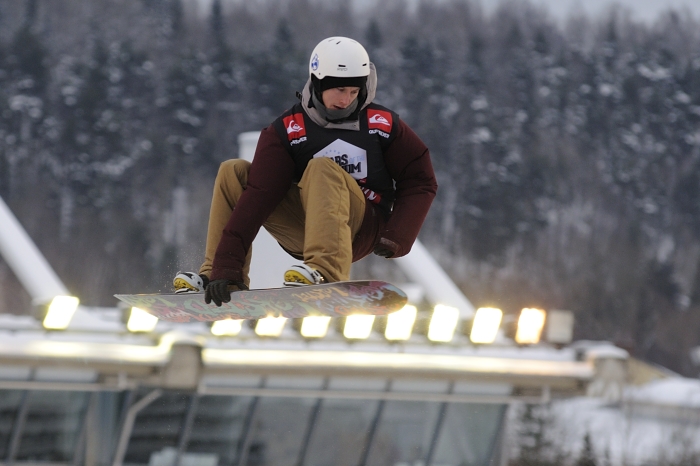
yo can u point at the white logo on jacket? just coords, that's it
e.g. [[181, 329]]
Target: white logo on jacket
[[380, 120], [293, 127], [351, 158]]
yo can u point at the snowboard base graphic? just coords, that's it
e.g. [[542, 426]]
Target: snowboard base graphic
[[337, 299]]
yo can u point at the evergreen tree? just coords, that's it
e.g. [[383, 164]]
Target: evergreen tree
[[373, 37], [176, 18], [276, 75], [23, 108], [30, 14], [216, 22], [587, 457], [535, 445], [27, 61]]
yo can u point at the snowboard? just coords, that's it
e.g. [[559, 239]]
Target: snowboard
[[329, 299]]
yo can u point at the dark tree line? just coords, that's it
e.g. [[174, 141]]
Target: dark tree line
[[567, 155]]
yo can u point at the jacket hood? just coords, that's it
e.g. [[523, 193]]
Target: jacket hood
[[353, 125]]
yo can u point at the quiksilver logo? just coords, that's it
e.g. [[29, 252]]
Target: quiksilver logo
[[293, 127], [379, 120]]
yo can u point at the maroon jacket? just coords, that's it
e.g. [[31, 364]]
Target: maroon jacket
[[271, 176]]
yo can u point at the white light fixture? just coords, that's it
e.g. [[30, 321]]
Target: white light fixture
[[226, 327], [485, 325], [141, 321], [270, 326], [443, 323], [560, 326], [315, 326], [530, 325], [60, 312], [399, 324], [358, 327]]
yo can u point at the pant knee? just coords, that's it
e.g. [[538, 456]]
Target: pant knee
[[237, 168], [322, 166], [326, 163], [236, 165]]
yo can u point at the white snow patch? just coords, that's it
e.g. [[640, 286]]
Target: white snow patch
[[675, 391], [600, 350]]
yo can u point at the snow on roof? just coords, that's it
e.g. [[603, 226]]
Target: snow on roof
[[599, 350], [672, 391]]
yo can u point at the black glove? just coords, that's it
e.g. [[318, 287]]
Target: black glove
[[220, 290], [386, 248]]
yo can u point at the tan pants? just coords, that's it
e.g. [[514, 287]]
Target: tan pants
[[317, 219]]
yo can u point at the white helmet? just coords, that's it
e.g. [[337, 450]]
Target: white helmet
[[339, 57]]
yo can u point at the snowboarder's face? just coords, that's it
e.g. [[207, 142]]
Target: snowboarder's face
[[338, 98]]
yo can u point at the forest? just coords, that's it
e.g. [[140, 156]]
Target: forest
[[567, 153]]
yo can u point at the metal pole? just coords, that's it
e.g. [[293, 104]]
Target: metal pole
[[129, 424], [369, 442], [17, 428], [24, 258], [368, 395], [247, 431], [499, 445], [311, 426], [430, 456], [79, 455], [186, 431], [125, 405]]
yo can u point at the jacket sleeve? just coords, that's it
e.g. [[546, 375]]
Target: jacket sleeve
[[408, 161], [270, 178]]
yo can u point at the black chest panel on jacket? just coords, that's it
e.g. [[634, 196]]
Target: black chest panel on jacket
[[360, 153]]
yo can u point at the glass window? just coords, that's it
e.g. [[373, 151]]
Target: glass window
[[218, 426], [340, 434], [157, 426], [105, 425], [278, 431], [468, 434], [53, 424], [404, 433], [9, 407]]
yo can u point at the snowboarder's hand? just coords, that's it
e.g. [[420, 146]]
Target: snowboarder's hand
[[220, 290], [386, 248]]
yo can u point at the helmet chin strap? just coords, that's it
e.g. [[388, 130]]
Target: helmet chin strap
[[332, 115]]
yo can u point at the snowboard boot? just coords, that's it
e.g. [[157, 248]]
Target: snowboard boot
[[190, 282], [300, 275]]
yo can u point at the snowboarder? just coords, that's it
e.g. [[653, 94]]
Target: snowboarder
[[333, 179]]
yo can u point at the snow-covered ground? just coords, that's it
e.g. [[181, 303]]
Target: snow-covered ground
[[655, 424]]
